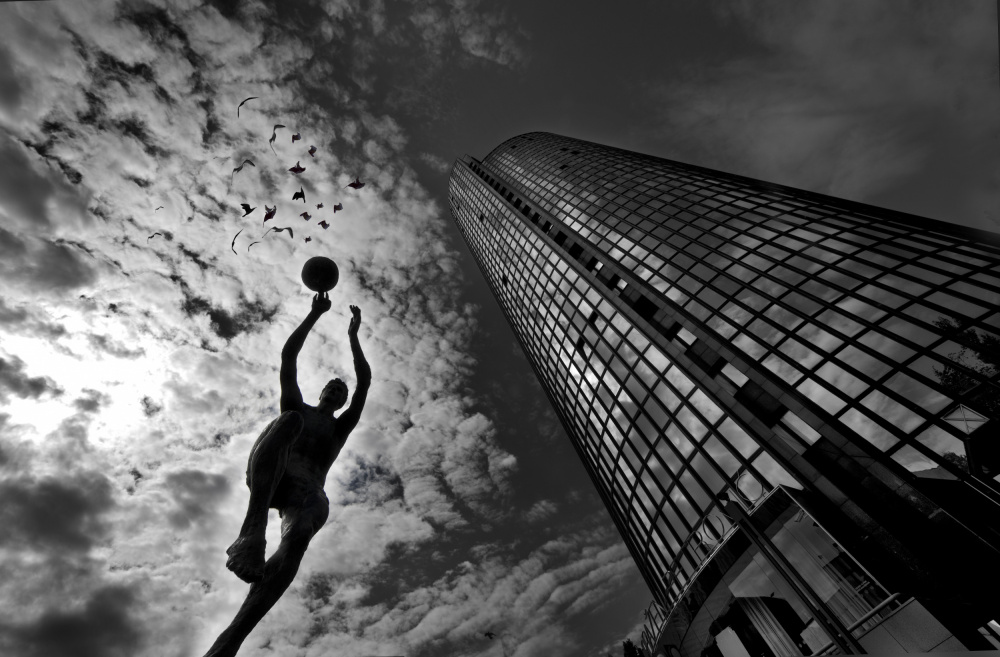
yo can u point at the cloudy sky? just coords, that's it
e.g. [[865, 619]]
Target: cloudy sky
[[136, 373]]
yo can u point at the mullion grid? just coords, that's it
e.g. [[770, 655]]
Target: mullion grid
[[694, 474], [637, 473], [933, 248]]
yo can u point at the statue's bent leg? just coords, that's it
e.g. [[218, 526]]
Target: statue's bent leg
[[298, 527], [265, 467]]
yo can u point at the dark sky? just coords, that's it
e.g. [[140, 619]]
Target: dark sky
[[136, 372]]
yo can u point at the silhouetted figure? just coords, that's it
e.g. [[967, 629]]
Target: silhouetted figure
[[152, 236], [269, 213], [287, 471], [357, 184], [247, 209], [301, 194], [233, 245], [297, 169], [324, 225]]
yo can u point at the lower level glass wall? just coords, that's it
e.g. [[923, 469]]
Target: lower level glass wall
[[753, 610]]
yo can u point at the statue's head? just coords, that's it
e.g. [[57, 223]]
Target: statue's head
[[334, 394]]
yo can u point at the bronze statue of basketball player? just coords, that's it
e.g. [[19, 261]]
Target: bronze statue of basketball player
[[287, 471]]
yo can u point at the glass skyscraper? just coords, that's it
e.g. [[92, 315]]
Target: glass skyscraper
[[788, 402]]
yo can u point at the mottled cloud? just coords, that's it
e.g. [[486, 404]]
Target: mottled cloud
[[14, 381]]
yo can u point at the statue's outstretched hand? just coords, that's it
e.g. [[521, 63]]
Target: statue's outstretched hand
[[321, 302], [355, 321]]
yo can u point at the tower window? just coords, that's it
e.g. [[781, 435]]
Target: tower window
[[576, 250], [547, 226], [669, 331], [761, 403], [560, 238], [706, 358], [644, 307], [592, 263]]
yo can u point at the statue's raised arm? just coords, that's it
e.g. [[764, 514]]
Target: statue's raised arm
[[349, 418], [291, 396]]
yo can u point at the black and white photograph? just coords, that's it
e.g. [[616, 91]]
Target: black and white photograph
[[457, 328]]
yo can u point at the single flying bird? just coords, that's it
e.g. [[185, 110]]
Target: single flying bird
[[247, 209], [312, 151], [357, 184], [233, 245], [306, 216], [297, 169], [296, 137], [324, 225], [278, 230], [240, 168], [251, 244], [489, 635], [269, 213], [319, 206], [339, 206], [153, 235], [241, 104], [159, 208], [309, 239], [274, 135], [299, 195]]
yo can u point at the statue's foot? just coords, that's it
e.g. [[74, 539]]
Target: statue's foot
[[246, 558]]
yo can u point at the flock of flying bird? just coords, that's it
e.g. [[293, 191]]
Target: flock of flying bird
[[269, 212]]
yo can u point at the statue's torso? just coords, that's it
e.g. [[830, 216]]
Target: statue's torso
[[310, 458]]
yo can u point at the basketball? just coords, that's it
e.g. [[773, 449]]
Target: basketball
[[320, 274]]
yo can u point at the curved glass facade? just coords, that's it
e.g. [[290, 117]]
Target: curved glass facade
[[704, 335]]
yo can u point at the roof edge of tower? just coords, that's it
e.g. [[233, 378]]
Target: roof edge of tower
[[522, 135]]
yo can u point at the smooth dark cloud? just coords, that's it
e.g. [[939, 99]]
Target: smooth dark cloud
[[102, 627], [10, 82], [26, 188], [14, 381], [196, 494], [42, 265], [49, 514]]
